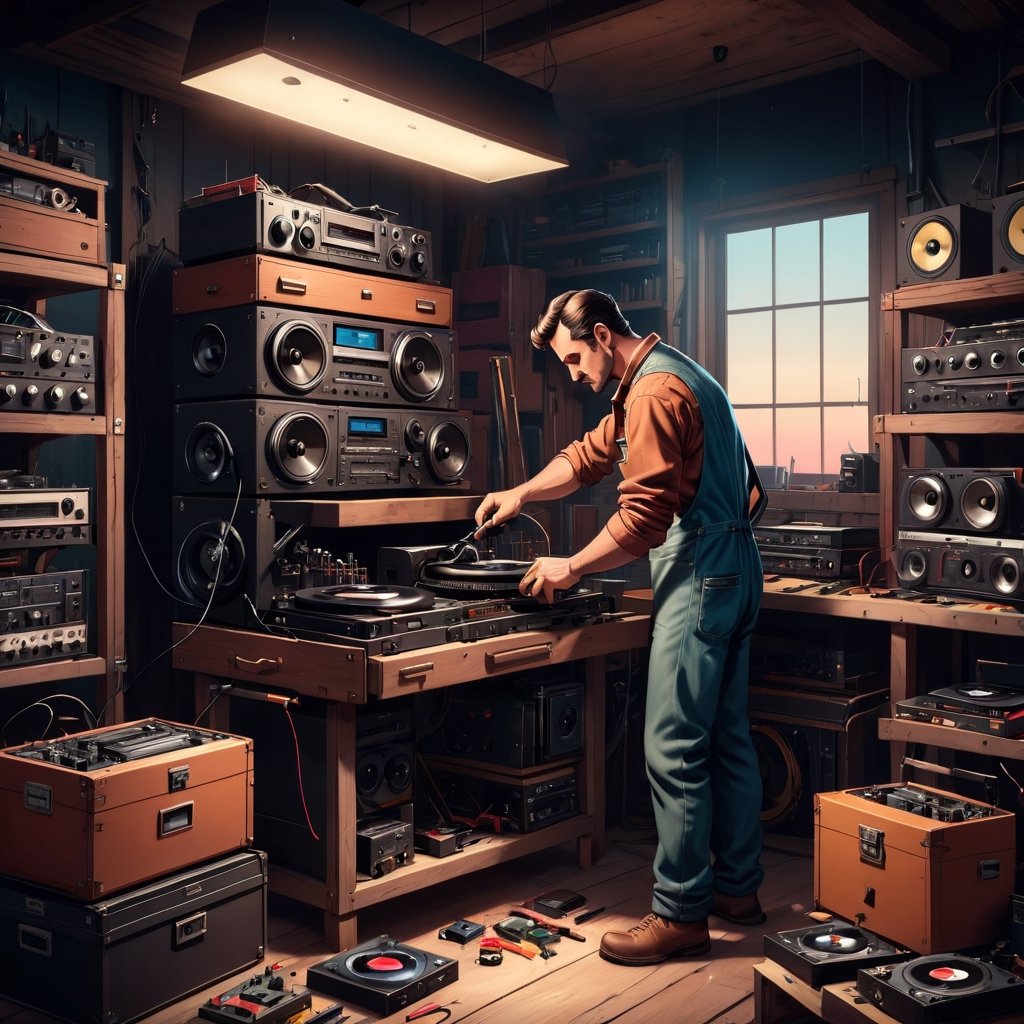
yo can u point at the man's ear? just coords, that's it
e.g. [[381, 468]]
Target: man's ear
[[603, 336]]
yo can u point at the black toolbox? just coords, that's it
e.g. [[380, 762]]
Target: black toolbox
[[115, 960]]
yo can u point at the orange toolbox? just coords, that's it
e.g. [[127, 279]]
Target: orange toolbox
[[96, 812], [928, 870], [244, 279]]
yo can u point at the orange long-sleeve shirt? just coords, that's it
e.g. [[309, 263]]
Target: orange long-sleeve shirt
[[661, 422]]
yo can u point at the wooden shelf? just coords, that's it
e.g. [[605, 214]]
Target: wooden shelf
[[950, 423], [51, 671], [599, 180], [381, 511], [594, 235], [952, 299], [589, 269], [54, 424], [906, 731]]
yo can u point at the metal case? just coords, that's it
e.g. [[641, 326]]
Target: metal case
[[927, 884], [94, 832], [122, 958]]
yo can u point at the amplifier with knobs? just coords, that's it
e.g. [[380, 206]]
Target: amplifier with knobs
[[42, 370], [21, 395]]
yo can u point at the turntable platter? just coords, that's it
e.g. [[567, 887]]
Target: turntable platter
[[365, 598]]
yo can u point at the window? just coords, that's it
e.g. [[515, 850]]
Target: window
[[795, 305]]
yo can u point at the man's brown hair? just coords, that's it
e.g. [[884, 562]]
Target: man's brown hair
[[580, 310]]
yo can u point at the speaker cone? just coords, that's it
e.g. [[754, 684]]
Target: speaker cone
[[913, 567], [928, 500], [398, 772], [447, 451], [781, 779], [209, 350], [1004, 575], [207, 452], [298, 447], [1013, 231], [210, 560], [983, 503], [417, 366], [298, 355], [932, 246]]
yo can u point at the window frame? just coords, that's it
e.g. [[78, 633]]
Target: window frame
[[874, 192]]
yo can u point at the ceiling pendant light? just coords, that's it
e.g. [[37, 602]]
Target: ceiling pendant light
[[328, 65]]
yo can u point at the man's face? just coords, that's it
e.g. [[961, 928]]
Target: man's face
[[587, 363]]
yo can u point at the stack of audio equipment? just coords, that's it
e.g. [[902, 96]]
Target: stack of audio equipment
[[974, 368], [817, 552], [45, 614], [129, 864], [961, 531], [312, 358]]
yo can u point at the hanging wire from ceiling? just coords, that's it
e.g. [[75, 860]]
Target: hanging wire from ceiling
[[549, 50], [483, 30]]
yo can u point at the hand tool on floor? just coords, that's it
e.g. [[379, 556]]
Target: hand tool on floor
[[552, 926]]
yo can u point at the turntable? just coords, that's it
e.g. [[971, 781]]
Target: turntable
[[382, 975], [941, 989], [824, 953]]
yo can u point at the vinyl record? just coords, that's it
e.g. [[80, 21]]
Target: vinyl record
[[986, 694], [365, 598], [387, 965], [21, 481], [947, 974], [492, 576], [836, 939]]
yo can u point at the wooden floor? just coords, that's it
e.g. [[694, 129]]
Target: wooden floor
[[574, 987]]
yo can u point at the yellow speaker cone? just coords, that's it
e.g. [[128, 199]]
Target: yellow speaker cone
[[931, 247], [1015, 230]]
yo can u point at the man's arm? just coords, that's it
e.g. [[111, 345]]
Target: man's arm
[[556, 480]]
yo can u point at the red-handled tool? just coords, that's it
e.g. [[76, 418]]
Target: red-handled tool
[[552, 926]]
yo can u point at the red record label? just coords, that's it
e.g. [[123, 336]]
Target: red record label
[[384, 963], [948, 974]]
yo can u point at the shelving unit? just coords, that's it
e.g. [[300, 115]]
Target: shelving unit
[[36, 279], [619, 232]]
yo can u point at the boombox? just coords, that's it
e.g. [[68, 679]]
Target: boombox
[[228, 557], [274, 448], [277, 352], [279, 225], [962, 500], [974, 565], [947, 244]]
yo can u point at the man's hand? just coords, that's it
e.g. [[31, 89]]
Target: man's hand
[[545, 576], [495, 509]]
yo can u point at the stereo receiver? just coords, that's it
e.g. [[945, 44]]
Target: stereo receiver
[[273, 351], [954, 563], [262, 222]]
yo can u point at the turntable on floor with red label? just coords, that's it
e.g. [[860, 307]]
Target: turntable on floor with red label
[[834, 951], [382, 975], [941, 989]]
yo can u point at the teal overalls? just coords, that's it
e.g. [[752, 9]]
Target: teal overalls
[[707, 582]]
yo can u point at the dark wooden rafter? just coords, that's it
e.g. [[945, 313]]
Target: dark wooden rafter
[[60, 20], [886, 33]]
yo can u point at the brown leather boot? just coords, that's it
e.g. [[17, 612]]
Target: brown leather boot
[[654, 940], [741, 910]]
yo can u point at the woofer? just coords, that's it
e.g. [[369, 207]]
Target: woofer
[[208, 452], [298, 446], [298, 355], [418, 367]]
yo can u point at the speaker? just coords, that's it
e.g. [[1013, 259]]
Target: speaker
[[385, 756], [1008, 233], [562, 721], [277, 448], [226, 557], [858, 472], [278, 352], [810, 743], [944, 245], [970, 565], [962, 500]]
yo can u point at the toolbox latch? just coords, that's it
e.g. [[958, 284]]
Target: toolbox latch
[[38, 798], [189, 929], [872, 844], [177, 778]]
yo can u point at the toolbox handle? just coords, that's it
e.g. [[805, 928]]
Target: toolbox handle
[[189, 929], [498, 658], [175, 819], [416, 670], [35, 940], [260, 666]]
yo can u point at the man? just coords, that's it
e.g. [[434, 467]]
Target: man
[[684, 499]]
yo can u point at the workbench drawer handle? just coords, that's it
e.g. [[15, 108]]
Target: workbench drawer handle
[[416, 670], [289, 286], [497, 658], [261, 666]]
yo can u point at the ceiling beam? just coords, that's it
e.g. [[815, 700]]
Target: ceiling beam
[[882, 31], [59, 19]]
